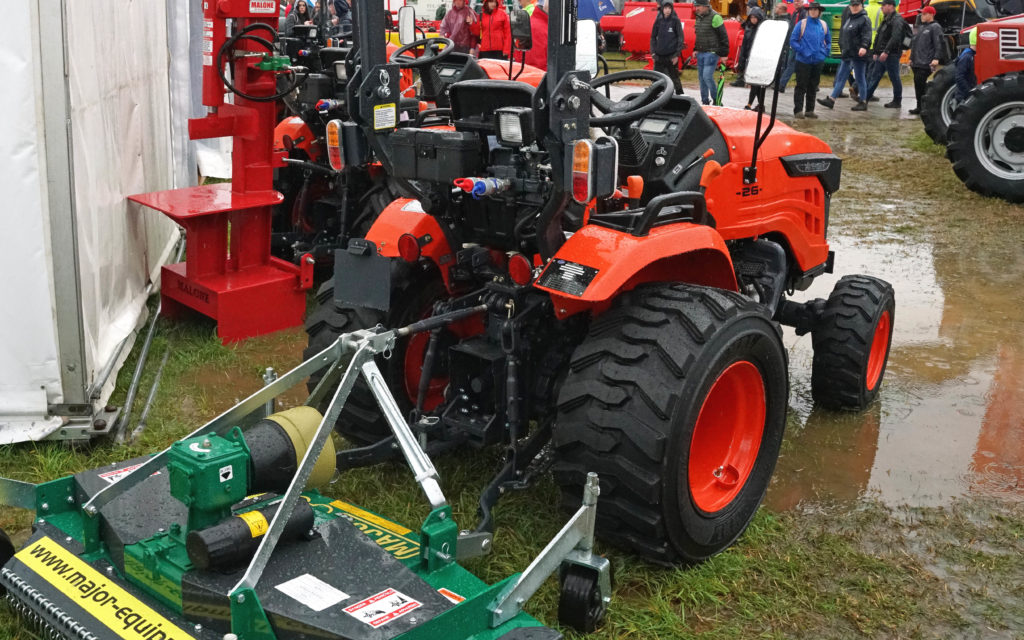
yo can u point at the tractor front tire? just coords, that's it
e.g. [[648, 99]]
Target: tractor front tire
[[939, 103], [851, 343], [414, 290], [677, 398], [986, 140]]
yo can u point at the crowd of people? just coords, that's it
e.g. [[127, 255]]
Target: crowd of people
[[871, 46]]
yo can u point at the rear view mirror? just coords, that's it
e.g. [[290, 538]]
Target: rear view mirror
[[586, 46], [406, 25], [522, 33], [763, 63]]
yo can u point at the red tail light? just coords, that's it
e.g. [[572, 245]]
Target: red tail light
[[582, 152], [409, 247], [520, 269]]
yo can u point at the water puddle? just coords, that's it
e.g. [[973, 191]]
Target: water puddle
[[949, 421]]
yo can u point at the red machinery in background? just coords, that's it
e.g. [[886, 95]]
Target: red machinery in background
[[637, 18], [228, 273]]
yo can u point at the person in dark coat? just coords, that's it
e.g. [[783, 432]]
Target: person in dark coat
[[966, 79], [749, 28], [926, 51], [754, 19], [711, 45], [781, 12], [854, 44], [300, 14], [667, 43], [811, 41], [886, 53]]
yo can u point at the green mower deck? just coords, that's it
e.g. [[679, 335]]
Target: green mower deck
[[216, 538]]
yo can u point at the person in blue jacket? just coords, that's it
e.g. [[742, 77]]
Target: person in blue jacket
[[811, 42], [965, 76]]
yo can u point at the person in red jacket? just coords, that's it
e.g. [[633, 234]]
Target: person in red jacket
[[494, 31], [537, 56]]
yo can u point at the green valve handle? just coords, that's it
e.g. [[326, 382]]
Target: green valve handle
[[273, 63]]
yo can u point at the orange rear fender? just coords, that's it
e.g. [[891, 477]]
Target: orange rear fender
[[597, 264], [403, 216]]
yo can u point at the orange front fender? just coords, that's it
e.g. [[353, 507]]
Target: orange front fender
[[403, 216], [614, 261]]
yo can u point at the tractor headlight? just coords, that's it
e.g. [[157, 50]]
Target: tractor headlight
[[515, 126], [340, 72]]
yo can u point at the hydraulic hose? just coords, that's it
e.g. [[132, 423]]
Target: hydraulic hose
[[246, 34]]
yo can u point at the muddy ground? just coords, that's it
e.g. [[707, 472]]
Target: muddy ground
[[906, 520]]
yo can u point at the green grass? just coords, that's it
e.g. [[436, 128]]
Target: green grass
[[821, 571], [832, 572]]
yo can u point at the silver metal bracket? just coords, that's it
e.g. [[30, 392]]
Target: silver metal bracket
[[473, 544], [574, 544]]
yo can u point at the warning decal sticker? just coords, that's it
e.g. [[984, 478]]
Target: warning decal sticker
[[451, 595], [125, 615], [257, 522], [312, 592], [380, 609], [385, 116]]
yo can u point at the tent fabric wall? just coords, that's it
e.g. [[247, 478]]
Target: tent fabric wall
[[119, 108], [29, 371], [120, 126]]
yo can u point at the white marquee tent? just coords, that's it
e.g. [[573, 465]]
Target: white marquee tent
[[94, 108]]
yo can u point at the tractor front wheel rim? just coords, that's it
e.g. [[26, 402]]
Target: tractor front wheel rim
[[727, 436], [879, 348], [997, 140]]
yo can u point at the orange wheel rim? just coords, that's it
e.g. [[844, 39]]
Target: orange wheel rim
[[727, 436], [879, 349]]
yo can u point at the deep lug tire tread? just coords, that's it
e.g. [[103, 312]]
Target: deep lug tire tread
[[961, 150], [931, 103], [622, 408], [842, 342]]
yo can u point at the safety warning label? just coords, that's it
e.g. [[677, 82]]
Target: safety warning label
[[312, 592], [385, 116], [380, 609]]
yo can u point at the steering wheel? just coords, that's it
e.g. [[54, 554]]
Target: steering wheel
[[432, 53], [633, 106]]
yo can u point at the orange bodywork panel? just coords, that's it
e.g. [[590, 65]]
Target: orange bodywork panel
[[300, 133], [793, 207], [498, 70], [681, 252], [405, 215]]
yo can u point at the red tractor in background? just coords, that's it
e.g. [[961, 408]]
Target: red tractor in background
[[986, 137], [622, 262], [956, 17], [325, 202], [637, 18]]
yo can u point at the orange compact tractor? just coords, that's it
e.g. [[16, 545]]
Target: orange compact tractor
[[624, 260], [986, 136], [325, 201]]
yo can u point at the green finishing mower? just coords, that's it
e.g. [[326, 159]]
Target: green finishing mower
[[222, 536]]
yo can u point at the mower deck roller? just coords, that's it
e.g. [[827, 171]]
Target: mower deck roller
[[219, 534]]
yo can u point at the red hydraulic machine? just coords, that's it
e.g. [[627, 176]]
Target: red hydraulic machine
[[228, 273]]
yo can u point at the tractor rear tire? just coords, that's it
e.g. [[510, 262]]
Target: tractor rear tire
[[677, 398], [986, 140], [939, 103], [851, 343], [413, 293]]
